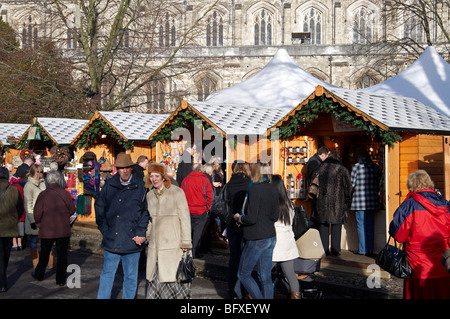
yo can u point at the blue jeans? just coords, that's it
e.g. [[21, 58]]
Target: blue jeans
[[259, 253], [33, 241], [130, 264], [365, 220]]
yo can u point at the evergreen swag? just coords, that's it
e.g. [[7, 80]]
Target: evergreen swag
[[311, 111], [24, 143], [98, 127], [182, 120]]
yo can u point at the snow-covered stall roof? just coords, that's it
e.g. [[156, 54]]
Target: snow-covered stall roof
[[426, 80], [231, 119], [61, 130], [130, 126], [240, 119], [134, 126], [393, 113], [11, 129], [280, 84]]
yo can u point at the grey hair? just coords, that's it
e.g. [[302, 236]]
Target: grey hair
[[53, 177], [53, 166]]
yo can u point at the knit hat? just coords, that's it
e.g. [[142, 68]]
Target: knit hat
[[159, 169]]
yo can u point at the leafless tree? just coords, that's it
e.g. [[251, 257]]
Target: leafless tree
[[125, 46]]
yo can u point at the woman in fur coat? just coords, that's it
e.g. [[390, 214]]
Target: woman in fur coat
[[333, 201]]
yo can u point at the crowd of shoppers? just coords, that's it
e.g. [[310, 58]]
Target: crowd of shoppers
[[141, 209]]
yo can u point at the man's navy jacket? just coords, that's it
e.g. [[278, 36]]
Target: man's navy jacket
[[121, 214]]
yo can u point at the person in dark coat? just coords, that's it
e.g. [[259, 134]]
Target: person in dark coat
[[10, 203], [333, 201], [311, 167], [52, 212], [259, 233], [185, 164], [139, 169], [236, 190], [122, 218]]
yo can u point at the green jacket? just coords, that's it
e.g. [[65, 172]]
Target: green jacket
[[9, 216]]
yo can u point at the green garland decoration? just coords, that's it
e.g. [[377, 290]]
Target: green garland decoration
[[322, 104], [183, 119], [24, 143], [98, 127]]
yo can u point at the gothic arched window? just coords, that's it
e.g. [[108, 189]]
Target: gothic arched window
[[155, 96], [214, 30], [412, 29], [263, 28], [72, 42], [204, 87], [362, 25], [167, 31], [365, 81], [30, 34], [312, 22]]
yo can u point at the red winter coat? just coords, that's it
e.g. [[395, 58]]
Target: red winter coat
[[422, 222], [198, 191]]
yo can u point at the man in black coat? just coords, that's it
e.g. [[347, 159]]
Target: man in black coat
[[140, 167], [185, 164], [313, 165]]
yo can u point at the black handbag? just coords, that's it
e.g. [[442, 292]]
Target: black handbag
[[186, 269], [393, 259], [300, 223], [220, 207]]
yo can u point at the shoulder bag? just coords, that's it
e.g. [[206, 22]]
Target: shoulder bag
[[300, 223], [313, 189], [393, 259], [220, 208]]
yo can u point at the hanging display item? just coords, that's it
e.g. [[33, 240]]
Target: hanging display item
[[91, 183]]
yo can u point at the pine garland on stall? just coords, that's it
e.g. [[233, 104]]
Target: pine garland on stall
[[182, 120], [311, 111], [98, 127]]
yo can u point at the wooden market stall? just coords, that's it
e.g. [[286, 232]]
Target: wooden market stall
[[401, 135], [9, 136], [48, 140], [229, 132], [104, 136]]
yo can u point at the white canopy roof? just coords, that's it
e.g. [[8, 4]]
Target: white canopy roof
[[426, 80], [280, 84]]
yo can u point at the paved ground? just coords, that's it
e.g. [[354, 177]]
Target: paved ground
[[23, 286]]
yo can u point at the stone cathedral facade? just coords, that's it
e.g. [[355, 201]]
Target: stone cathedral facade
[[334, 40]]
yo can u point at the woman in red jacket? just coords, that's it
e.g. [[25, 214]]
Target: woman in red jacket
[[422, 222]]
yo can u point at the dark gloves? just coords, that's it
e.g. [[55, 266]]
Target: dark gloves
[[446, 259], [33, 226]]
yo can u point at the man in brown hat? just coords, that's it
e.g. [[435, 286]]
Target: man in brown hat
[[122, 218]]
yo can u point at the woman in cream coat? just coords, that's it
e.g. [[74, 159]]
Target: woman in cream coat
[[169, 233], [285, 251], [34, 186]]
